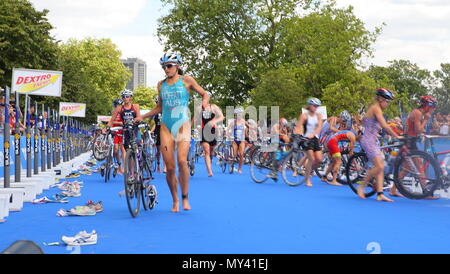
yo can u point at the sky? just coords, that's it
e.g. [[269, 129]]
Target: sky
[[417, 30]]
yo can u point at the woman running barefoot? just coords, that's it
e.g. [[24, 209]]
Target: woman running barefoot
[[309, 125], [211, 116], [173, 102], [373, 122], [238, 127]]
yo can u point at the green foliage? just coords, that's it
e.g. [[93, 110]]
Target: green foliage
[[231, 47], [25, 40], [442, 91], [92, 74], [284, 87], [407, 79], [144, 96]]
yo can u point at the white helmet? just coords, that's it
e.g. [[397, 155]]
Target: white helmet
[[345, 116], [170, 58], [238, 110], [126, 92], [314, 101]]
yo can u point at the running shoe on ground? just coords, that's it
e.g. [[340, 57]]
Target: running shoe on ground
[[83, 211], [82, 238], [97, 206], [55, 199], [73, 175], [152, 196]]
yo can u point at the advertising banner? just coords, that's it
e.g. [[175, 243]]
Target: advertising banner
[[103, 119], [72, 109], [37, 82]]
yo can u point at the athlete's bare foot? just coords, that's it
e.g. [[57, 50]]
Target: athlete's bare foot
[[395, 194], [309, 184], [431, 198], [120, 171], [334, 184], [382, 198], [239, 171], [176, 207], [361, 189], [324, 179], [186, 205], [210, 175]]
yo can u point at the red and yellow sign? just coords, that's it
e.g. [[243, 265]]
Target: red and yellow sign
[[37, 82], [72, 109]]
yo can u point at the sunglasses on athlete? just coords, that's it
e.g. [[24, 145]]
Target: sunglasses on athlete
[[126, 96], [167, 66]]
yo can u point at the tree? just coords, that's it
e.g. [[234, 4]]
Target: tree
[[408, 80], [283, 87], [442, 91], [355, 93], [144, 96], [25, 40], [92, 74], [230, 46], [328, 43], [225, 43]]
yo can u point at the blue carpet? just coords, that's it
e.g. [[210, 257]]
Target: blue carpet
[[231, 214]]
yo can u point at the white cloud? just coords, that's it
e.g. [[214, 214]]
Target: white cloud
[[108, 19], [79, 18], [416, 30]]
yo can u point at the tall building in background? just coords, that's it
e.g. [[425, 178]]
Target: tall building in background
[[138, 69]]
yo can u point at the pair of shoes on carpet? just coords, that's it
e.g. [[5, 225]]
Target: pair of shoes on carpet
[[82, 238], [73, 175], [90, 209], [57, 198]]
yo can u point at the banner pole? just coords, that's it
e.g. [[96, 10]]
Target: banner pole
[[55, 145], [28, 135], [36, 139], [43, 143], [6, 144], [49, 139], [17, 162]]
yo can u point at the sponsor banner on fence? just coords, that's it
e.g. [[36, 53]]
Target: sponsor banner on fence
[[103, 119], [72, 109], [37, 82], [322, 110]]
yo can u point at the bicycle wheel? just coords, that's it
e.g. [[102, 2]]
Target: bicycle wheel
[[107, 169], [417, 175], [290, 169], [231, 160], [132, 183], [356, 170], [100, 148], [259, 173], [191, 164], [154, 162], [341, 177], [224, 162], [146, 185], [322, 168]]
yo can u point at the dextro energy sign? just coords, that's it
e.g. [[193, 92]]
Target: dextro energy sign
[[37, 82], [72, 109]]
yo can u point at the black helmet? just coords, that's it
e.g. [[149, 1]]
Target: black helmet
[[117, 102], [385, 93]]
